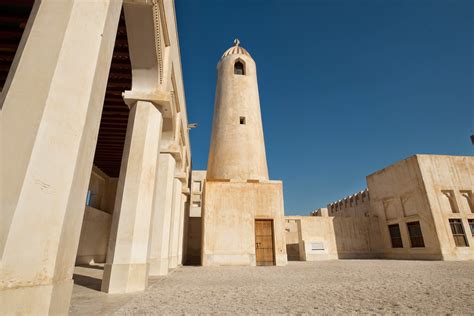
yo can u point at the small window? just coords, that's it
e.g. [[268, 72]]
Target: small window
[[416, 237], [471, 226], [239, 68], [197, 204], [242, 120], [395, 236], [458, 232]]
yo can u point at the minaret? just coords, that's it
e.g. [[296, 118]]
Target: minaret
[[242, 211], [237, 145]]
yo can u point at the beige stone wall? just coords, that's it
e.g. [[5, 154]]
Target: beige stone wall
[[449, 185], [416, 190], [292, 238], [397, 197], [357, 237], [95, 228], [317, 240], [230, 210], [102, 190], [357, 204], [328, 237], [94, 236], [197, 184]]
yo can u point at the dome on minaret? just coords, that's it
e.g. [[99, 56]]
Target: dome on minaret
[[236, 49]]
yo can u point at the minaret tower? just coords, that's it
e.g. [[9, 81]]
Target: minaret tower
[[237, 145], [242, 210]]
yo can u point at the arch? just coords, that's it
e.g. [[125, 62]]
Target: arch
[[239, 68]]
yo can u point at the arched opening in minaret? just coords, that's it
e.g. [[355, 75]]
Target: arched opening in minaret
[[239, 68]]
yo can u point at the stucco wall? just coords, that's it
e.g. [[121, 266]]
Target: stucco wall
[[102, 190], [292, 238], [230, 210], [95, 228], [445, 178], [316, 238], [197, 184], [94, 236], [327, 237], [397, 195]]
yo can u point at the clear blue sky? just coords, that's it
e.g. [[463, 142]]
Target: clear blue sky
[[347, 87]]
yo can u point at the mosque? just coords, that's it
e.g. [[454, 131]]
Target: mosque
[[96, 165]]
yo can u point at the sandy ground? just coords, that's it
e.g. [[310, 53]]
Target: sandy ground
[[360, 286]]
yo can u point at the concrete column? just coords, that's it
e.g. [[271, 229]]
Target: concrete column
[[51, 109], [126, 269], [181, 229], [161, 222], [174, 232]]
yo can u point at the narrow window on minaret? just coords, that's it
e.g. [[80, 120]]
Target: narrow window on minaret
[[239, 68], [242, 120]]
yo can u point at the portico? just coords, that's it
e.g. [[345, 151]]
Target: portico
[[127, 120]]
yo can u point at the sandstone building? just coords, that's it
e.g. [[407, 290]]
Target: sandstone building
[[419, 208], [96, 165]]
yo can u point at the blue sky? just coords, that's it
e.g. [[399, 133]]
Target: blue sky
[[347, 87]]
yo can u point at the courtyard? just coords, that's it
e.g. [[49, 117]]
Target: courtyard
[[342, 286]]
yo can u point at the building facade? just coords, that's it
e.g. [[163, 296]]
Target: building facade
[[419, 208], [95, 148]]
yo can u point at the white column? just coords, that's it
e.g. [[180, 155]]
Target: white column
[[173, 245], [126, 269], [161, 222], [50, 115], [181, 229]]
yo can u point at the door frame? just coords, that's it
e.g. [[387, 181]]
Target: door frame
[[273, 237]]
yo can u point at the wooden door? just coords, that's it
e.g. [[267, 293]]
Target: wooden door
[[264, 242]]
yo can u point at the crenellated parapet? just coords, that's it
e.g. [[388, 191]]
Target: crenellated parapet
[[358, 203]]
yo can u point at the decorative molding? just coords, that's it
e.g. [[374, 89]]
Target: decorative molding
[[157, 17]]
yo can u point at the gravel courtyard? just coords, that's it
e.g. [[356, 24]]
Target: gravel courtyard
[[360, 286]]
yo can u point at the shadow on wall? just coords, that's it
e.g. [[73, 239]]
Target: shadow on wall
[[193, 251], [357, 237], [293, 252], [89, 276]]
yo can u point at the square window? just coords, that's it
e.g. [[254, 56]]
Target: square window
[[395, 236], [471, 225], [458, 232], [242, 120], [416, 236]]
